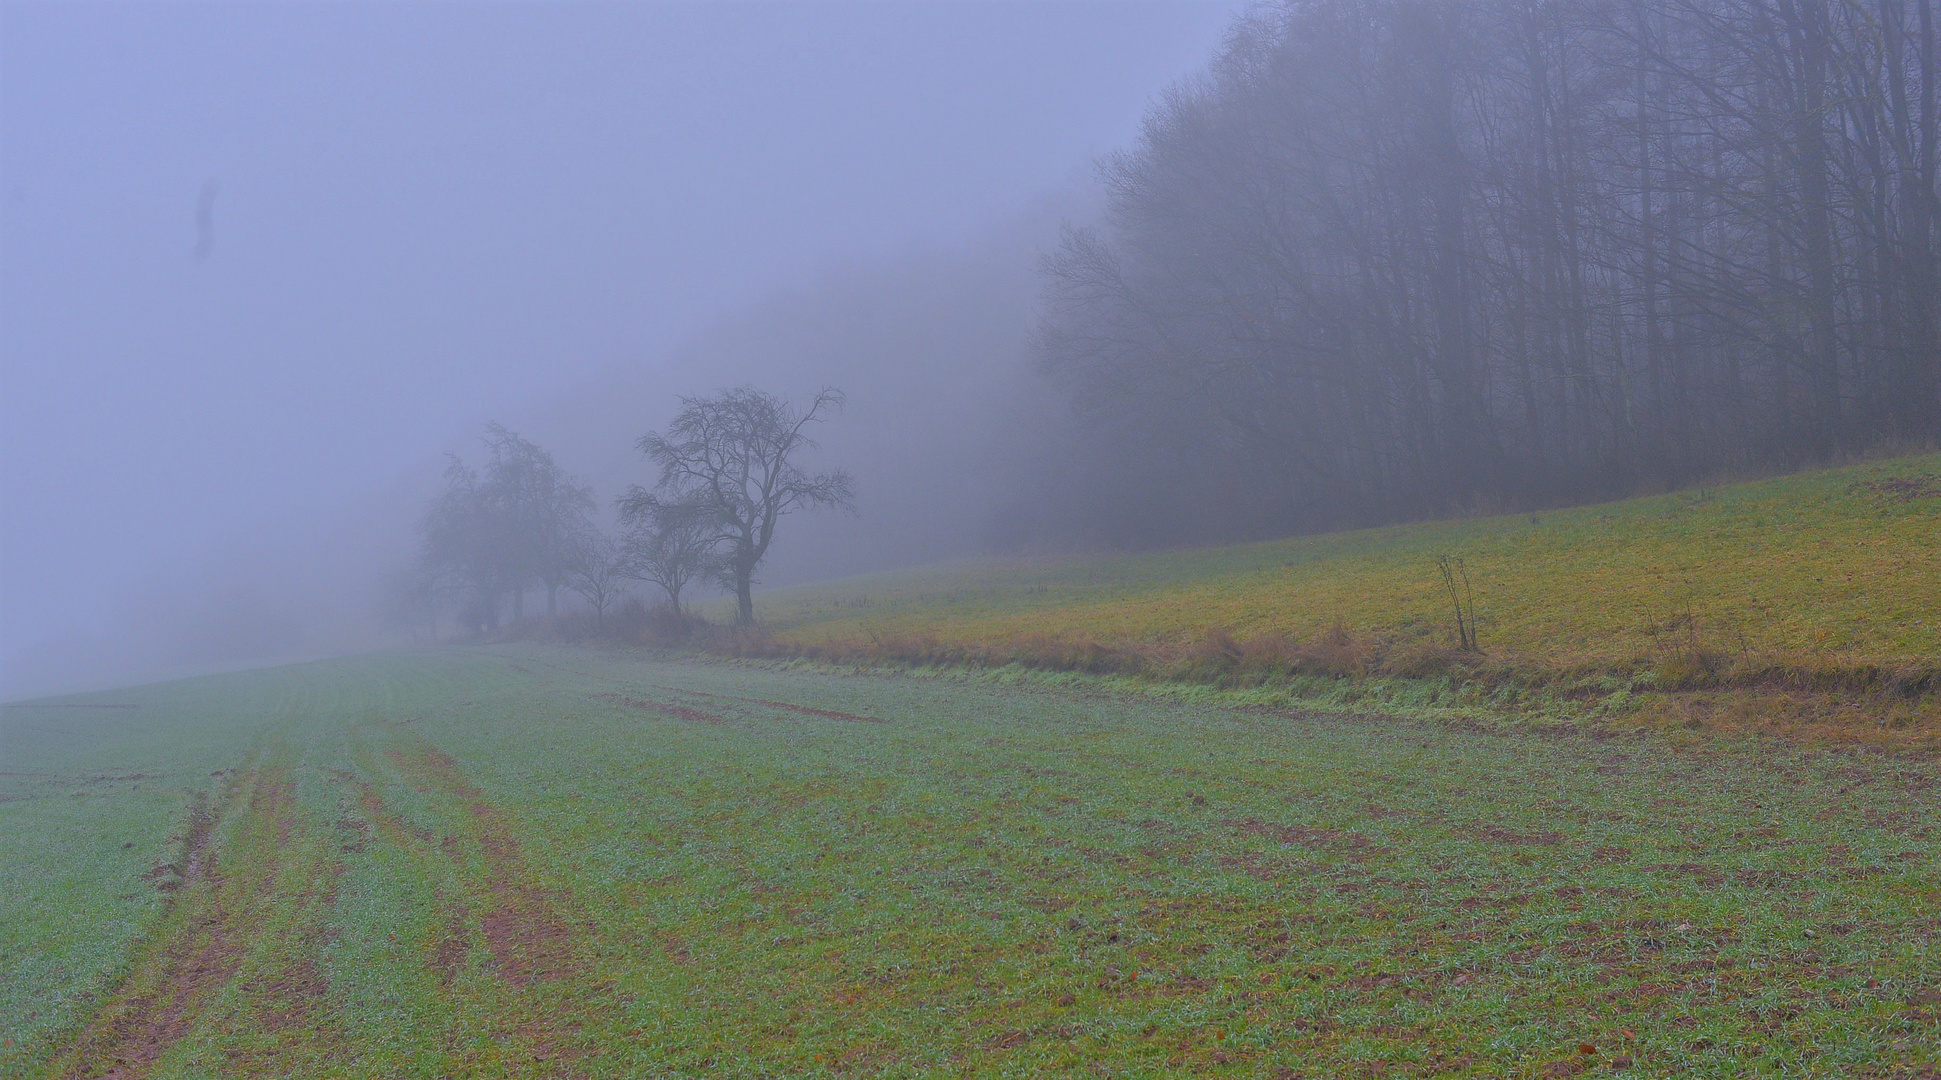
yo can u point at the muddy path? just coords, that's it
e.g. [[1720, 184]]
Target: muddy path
[[530, 940], [237, 979], [496, 923], [238, 888]]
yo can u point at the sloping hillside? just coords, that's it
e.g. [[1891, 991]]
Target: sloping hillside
[[1827, 579]]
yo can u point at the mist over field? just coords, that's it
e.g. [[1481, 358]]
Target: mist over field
[[1234, 539], [326, 327], [263, 266]]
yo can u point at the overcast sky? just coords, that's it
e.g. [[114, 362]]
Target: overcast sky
[[421, 215]]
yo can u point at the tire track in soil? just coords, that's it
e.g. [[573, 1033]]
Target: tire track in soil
[[447, 958], [223, 915], [785, 706], [530, 940], [682, 712], [523, 928], [663, 708], [290, 1000]]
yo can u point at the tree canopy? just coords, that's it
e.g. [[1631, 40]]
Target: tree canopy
[[734, 456], [1401, 258], [519, 522]]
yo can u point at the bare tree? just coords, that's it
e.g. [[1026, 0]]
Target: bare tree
[[671, 544], [469, 546], [600, 572], [733, 455], [548, 511], [517, 522]]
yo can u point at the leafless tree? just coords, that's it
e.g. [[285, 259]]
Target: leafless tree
[[495, 532], [547, 511], [600, 572], [671, 544], [734, 455], [469, 546]]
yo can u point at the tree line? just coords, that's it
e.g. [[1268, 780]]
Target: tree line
[[1398, 258], [728, 472], [1383, 260]]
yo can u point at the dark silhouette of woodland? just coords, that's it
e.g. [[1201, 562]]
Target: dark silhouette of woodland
[[1392, 259]]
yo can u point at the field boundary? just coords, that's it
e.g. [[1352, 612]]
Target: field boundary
[[1885, 720]]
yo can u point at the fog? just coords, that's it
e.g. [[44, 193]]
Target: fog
[[263, 265]]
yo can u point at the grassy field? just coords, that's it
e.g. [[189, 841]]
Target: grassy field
[[536, 861], [1830, 576]]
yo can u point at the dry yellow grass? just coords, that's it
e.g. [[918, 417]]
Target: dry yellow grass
[[1833, 571]]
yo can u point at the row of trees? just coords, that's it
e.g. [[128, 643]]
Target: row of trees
[[1393, 258], [728, 473], [519, 522]]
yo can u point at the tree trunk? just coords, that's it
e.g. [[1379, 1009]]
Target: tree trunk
[[744, 596], [1919, 393], [1466, 412], [1810, 150]]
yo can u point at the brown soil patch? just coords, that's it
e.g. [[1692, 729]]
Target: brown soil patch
[[205, 955], [828, 714], [526, 935], [195, 858], [202, 956], [1008, 1040], [530, 941], [786, 706], [678, 712], [1307, 836], [1540, 838], [1901, 489], [390, 824], [448, 958], [300, 989], [525, 932], [673, 947], [292, 995], [356, 832]]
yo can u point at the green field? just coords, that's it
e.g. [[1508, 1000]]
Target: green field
[[536, 861], [1802, 579]]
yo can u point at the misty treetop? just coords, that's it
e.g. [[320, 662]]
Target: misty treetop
[[520, 522], [1393, 258]]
